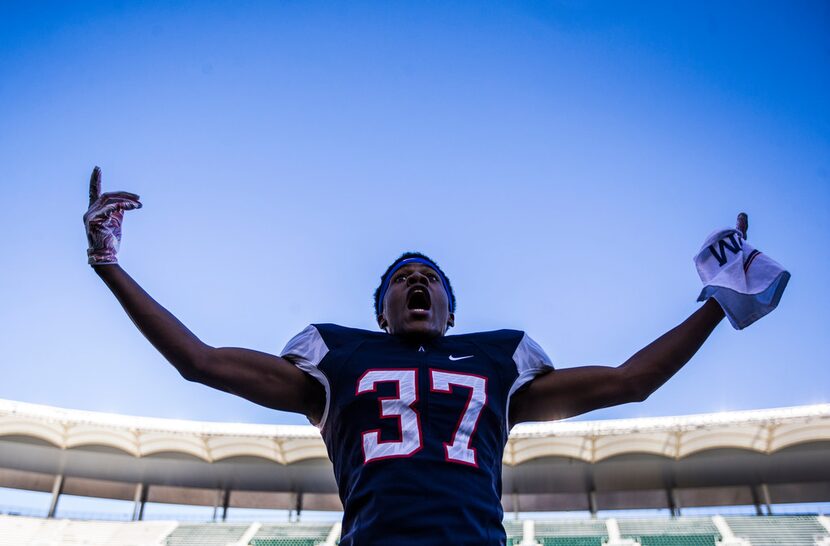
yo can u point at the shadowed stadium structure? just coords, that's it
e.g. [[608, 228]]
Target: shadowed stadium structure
[[759, 457]]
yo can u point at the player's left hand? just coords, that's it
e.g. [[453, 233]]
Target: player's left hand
[[103, 220]]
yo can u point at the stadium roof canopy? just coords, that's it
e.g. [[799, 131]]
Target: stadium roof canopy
[[731, 458]]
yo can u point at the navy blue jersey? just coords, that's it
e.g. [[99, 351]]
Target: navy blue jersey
[[416, 431]]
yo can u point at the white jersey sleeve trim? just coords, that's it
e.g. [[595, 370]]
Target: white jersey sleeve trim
[[306, 350], [531, 361]]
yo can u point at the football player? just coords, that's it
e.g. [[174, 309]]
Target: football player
[[415, 421]]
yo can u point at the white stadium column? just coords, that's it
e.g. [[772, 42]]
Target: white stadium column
[[334, 535], [249, 533], [528, 533]]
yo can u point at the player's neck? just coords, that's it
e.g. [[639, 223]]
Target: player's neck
[[418, 338]]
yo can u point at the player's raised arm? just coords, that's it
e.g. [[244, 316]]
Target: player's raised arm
[[739, 282], [573, 391], [260, 377]]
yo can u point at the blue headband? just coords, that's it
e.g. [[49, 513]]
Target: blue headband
[[385, 286]]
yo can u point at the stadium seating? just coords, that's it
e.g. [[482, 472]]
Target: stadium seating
[[291, 534], [572, 528], [657, 531], [574, 532], [18, 530], [688, 531], [284, 541], [206, 534], [514, 531], [570, 541], [777, 530], [677, 540]]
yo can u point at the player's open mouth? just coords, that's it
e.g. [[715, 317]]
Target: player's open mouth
[[418, 300]]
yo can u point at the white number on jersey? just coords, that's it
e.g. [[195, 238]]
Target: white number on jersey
[[400, 407], [409, 423], [459, 450]]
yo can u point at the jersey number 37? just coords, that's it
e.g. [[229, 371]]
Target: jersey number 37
[[403, 407]]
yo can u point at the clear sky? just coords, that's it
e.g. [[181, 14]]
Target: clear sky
[[563, 161]]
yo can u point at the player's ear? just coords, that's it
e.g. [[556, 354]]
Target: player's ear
[[382, 322], [451, 320]]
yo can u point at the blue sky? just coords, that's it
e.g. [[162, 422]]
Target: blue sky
[[562, 161]]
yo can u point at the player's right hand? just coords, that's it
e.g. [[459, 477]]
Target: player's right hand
[[103, 220]]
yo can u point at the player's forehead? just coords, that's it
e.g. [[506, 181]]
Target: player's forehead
[[415, 267]]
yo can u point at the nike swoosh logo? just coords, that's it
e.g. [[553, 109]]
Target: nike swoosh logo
[[454, 358]]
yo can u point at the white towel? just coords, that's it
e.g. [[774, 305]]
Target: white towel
[[746, 283]]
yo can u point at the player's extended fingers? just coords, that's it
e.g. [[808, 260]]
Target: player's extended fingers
[[103, 212], [95, 185], [129, 205], [120, 195], [742, 224], [113, 206], [124, 203]]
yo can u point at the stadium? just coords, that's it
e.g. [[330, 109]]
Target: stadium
[[559, 479], [172, 322]]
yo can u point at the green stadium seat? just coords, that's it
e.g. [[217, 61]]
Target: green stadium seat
[[291, 534], [205, 534], [284, 541], [570, 541], [677, 540]]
